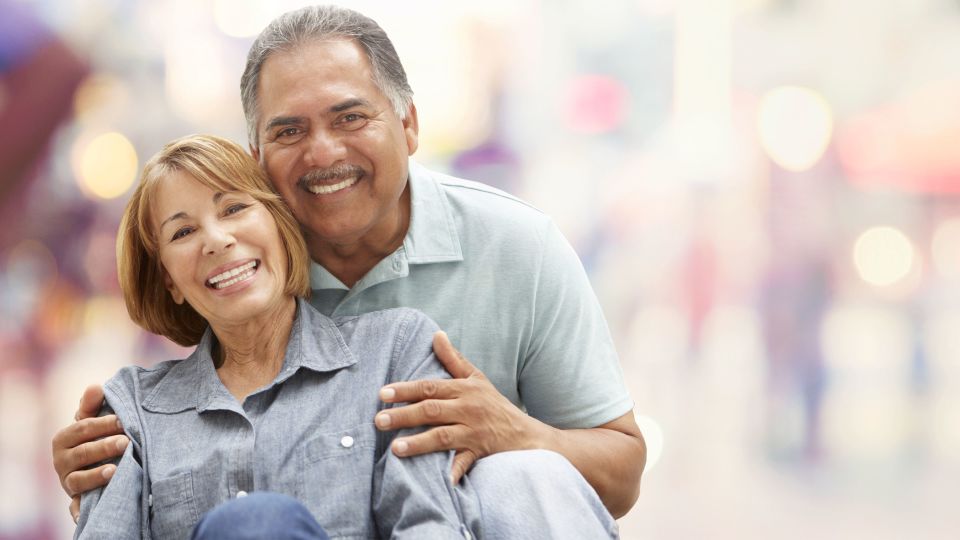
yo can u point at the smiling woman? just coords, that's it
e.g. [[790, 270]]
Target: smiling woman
[[214, 179]]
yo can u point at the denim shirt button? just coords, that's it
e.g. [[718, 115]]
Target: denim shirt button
[[241, 493], [346, 441]]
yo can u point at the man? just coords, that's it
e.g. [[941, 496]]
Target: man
[[331, 119]]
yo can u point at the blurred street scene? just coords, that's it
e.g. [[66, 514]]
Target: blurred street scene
[[765, 193]]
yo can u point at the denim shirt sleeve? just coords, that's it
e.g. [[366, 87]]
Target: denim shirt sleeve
[[116, 510], [413, 497]]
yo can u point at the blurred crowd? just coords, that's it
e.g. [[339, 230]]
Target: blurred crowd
[[765, 193]]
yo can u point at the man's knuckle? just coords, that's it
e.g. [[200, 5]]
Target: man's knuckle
[[428, 388], [81, 455], [445, 437], [70, 484], [432, 409]]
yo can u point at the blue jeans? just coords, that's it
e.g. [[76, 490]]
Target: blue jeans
[[259, 515]]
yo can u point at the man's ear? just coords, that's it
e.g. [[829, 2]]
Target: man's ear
[[172, 287], [411, 129], [254, 151]]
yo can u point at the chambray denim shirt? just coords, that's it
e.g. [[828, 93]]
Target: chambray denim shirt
[[308, 434]]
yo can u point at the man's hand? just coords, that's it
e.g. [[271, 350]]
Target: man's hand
[[473, 418], [87, 441]]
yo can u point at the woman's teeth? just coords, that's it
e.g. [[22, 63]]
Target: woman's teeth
[[234, 275]]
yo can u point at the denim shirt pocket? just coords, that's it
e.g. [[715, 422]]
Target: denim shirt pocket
[[336, 480], [173, 511]]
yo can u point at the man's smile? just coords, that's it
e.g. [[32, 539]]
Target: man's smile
[[332, 180]]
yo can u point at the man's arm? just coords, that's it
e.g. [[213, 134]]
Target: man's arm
[[476, 420], [87, 441]]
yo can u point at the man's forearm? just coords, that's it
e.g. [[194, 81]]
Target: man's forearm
[[610, 457]]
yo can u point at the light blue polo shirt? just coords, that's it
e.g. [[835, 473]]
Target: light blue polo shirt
[[498, 276]]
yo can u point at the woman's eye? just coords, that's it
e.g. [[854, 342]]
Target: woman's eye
[[234, 208], [181, 233]]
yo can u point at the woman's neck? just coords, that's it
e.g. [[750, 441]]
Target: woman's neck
[[251, 354]]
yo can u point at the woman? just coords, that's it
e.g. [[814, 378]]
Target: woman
[[275, 397]]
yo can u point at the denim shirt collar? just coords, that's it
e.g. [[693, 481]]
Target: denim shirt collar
[[315, 343]]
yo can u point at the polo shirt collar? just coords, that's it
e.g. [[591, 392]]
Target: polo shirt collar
[[315, 343], [432, 236]]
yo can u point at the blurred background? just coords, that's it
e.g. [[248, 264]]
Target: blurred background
[[765, 193]]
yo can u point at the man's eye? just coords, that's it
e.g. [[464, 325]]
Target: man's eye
[[288, 134], [181, 233], [352, 121]]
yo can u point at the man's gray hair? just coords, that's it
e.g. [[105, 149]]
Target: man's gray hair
[[315, 23]]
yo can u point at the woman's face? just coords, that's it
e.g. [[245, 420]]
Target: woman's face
[[222, 252]]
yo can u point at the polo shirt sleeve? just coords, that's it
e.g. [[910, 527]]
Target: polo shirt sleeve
[[116, 510], [413, 497], [570, 376]]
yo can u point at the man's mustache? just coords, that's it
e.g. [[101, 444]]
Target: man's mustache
[[337, 172]]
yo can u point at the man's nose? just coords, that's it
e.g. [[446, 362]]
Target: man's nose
[[324, 148], [217, 239]]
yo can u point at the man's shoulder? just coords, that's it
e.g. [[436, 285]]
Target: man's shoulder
[[472, 199]]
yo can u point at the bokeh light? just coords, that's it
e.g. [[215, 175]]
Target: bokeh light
[[105, 166], [596, 104], [945, 248], [795, 126], [883, 256], [98, 93], [653, 437]]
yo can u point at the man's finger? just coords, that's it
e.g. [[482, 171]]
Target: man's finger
[[86, 430], [90, 402], [413, 391], [431, 412], [79, 482], [75, 508], [454, 362], [434, 440], [87, 454], [462, 461]]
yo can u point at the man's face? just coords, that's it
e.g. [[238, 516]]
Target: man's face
[[332, 144]]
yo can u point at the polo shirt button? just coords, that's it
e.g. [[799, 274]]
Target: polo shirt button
[[241, 493], [346, 441]]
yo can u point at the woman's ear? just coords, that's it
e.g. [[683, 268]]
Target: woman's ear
[[172, 287]]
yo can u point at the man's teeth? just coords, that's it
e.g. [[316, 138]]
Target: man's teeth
[[234, 275], [320, 189]]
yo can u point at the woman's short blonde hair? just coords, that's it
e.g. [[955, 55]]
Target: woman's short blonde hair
[[222, 166]]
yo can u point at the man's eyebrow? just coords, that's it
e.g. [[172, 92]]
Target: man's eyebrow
[[349, 104], [284, 121]]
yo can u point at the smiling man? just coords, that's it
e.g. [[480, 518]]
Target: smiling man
[[331, 119]]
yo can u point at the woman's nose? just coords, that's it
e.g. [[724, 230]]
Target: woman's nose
[[217, 239]]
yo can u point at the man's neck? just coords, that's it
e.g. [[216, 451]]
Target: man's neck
[[350, 261]]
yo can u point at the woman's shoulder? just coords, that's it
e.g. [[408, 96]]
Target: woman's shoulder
[[401, 323], [132, 381]]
